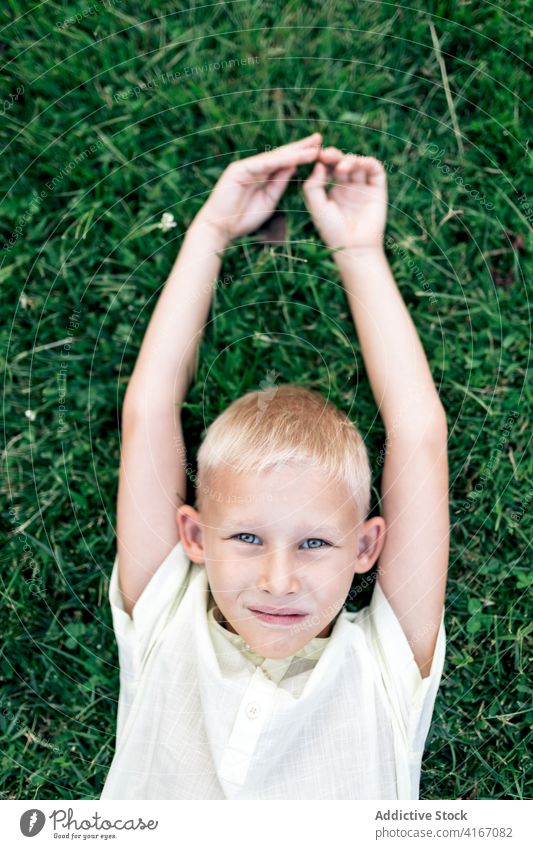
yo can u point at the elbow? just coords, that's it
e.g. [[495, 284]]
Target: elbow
[[130, 415], [436, 426], [428, 427], [131, 405], [142, 410], [441, 421]]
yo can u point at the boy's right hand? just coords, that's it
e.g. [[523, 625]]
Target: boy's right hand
[[249, 189], [353, 215]]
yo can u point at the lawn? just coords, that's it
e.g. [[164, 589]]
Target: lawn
[[115, 113]]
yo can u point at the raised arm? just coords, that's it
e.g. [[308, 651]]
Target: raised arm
[[152, 462], [412, 567], [152, 465]]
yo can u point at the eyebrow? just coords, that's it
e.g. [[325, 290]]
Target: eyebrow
[[331, 530]]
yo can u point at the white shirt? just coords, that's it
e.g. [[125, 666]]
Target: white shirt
[[201, 717]]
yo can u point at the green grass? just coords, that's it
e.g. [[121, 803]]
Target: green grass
[[368, 77]]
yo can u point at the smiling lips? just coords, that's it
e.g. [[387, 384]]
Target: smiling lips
[[280, 611], [281, 616]]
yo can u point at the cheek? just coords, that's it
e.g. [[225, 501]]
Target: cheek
[[334, 585], [225, 578]]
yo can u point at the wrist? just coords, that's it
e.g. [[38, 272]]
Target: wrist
[[359, 256], [211, 235]]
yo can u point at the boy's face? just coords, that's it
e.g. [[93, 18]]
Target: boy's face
[[286, 538]]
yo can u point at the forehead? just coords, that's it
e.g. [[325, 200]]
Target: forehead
[[284, 482], [304, 490]]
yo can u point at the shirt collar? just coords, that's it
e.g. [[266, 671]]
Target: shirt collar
[[274, 667]]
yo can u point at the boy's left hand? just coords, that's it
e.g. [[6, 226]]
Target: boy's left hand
[[353, 214], [249, 189]]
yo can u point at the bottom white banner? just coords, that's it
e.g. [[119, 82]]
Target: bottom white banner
[[502, 823]]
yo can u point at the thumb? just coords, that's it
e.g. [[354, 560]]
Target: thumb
[[278, 182], [313, 188]]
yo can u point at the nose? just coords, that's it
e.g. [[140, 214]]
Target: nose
[[278, 574]]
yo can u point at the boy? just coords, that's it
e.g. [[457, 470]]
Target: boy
[[242, 675]]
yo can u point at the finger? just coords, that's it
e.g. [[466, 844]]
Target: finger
[[282, 157], [374, 171], [278, 183], [361, 169], [308, 141], [313, 188], [314, 137], [347, 170], [343, 170], [330, 155]]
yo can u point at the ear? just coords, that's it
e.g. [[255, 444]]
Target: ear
[[371, 540], [190, 530]]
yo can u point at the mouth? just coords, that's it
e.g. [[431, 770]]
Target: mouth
[[278, 618]]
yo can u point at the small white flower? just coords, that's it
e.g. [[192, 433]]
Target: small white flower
[[24, 300], [167, 222], [30, 415]]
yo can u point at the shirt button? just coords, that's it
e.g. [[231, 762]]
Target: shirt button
[[252, 710]]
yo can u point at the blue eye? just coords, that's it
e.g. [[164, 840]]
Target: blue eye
[[322, 542], [245, 535], [314, 539]]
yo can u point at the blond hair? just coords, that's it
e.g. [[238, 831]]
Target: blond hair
[[267, 428]]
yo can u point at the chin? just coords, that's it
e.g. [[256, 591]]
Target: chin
[[277, 650], [280, 655]]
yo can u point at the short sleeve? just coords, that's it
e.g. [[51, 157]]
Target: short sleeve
[[136, 634], [411, 697]]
